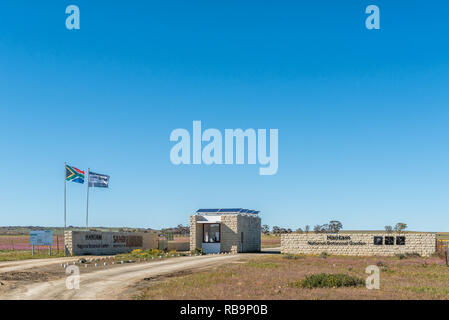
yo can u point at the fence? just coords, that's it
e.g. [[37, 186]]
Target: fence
[[22, 243]]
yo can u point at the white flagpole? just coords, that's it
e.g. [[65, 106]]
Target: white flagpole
[[65, 197], [87, 203]]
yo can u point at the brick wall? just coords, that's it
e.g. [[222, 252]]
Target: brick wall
[[357, 244]]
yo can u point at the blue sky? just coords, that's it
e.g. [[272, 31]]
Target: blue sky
[[362, 114]]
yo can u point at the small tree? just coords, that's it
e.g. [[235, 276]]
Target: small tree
[[299, 230], [276, 230], [307, 228], [317, 229], [265, 229], [335, 226], [400, 226], [388, 229]]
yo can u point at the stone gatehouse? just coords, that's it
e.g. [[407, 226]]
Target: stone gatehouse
[[225, 230]]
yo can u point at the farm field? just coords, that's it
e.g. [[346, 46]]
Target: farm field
[[22, 242], [275, 277]]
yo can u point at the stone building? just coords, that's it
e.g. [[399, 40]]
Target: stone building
[[225, 230], [359, 244]]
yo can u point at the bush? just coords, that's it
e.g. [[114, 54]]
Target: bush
[[324, 255], [407, 255], [324, 280], [198, 251], [293, 256]]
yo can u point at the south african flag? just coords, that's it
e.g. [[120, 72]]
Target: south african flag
[[73, 174]]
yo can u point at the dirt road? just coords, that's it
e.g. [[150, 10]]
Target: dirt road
[[34, 263], [110, 283]]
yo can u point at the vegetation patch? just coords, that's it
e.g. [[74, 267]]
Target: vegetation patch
[[10, 255], [139, 254], [408, 255], [263, 265], [325, 280], [293, 256]]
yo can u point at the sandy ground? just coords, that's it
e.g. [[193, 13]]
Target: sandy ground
[[9, 266], [46, 279]]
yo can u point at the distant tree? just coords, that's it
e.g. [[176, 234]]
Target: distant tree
[[307, 228], [299, 230], [289, 230], [388, 229], [276, 230], [317, 228], [335, 226], [400, 226], [265, 229]]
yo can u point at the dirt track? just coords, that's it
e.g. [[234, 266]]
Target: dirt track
[[106, 283], [33, 263]]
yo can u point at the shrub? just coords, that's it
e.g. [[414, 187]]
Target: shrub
[[198, 251], [293, 256], [324, 255], [136, 251], [407, 255], [324, 280]]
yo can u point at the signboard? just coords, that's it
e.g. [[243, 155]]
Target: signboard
[[41, 238]]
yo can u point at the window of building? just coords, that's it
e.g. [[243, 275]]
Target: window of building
[[400, 241], [389, 241], [378, 241], [211, 232]]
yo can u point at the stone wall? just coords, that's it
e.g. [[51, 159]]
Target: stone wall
[[178, 245], [98, 243], [229, 241], [251, 228], [358, 244], [196, 233]]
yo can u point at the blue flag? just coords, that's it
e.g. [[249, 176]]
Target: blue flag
[[98, 180]]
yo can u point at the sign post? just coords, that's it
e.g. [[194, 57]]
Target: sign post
[[41, 238]]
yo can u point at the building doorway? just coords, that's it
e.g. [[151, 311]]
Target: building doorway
[[211, 237]]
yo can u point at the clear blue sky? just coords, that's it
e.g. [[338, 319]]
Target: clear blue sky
[[363, 116]]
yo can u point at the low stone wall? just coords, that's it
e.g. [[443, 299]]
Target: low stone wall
[[359, 244], [98, 243], [178, 246]]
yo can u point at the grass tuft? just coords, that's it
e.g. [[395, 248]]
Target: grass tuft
[[325, 280]]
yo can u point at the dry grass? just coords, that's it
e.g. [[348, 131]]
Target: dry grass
[[9, 255], [270, 241], [271, 277]]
